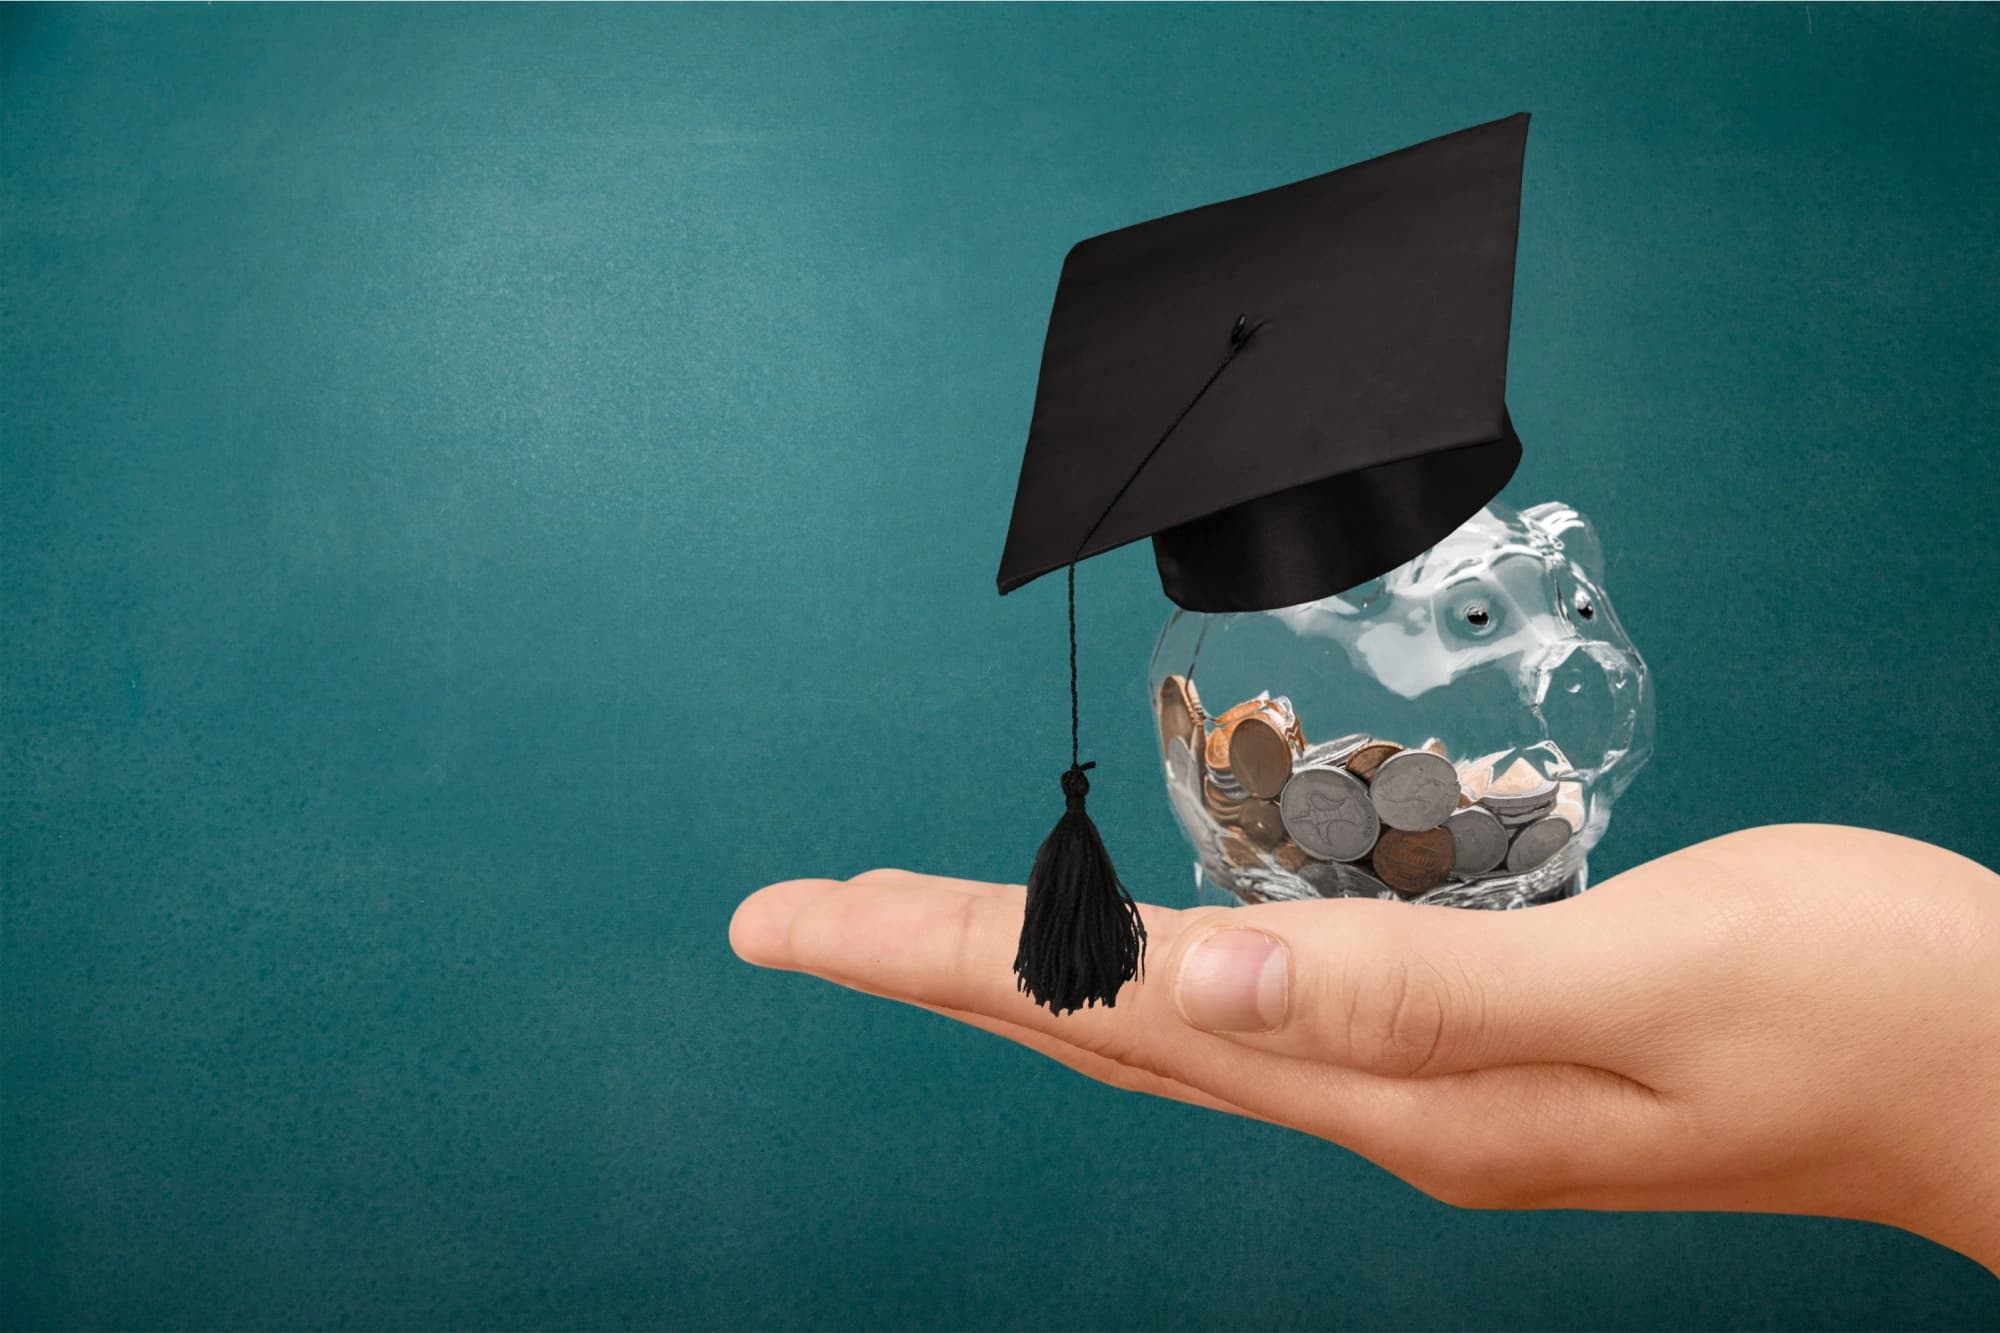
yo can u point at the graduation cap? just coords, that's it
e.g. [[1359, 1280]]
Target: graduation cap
[[1291, 392]]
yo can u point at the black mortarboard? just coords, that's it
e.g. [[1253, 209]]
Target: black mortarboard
[[1290, 392]]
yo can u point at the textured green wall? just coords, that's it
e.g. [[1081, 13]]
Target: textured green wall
[[484, 489]]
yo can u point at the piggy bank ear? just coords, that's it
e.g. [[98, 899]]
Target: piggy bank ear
[[1570, 531]]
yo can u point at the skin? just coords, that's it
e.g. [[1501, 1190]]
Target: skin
[[1792, 1019]]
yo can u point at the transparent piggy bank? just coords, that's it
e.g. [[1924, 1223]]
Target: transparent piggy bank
[[1454, 732]]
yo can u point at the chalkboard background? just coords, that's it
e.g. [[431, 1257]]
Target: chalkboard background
[[484, 489]]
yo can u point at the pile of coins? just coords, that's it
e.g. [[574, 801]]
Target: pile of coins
[[1359, 815]]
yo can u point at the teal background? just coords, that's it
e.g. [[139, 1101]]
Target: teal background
[[484, 489]]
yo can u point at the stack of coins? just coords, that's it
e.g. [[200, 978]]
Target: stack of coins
[[1360, 815], [1248, 760]]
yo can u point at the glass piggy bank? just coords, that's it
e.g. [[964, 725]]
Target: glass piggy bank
[[1454, 732]]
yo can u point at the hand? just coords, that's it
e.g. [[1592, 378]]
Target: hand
[[1797, 1019]]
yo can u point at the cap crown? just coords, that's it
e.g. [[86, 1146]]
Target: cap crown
[[1364, 420]]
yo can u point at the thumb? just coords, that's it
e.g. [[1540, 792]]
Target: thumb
[[1405, 991]]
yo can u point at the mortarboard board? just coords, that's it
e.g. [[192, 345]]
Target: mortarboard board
[[1290, 392]]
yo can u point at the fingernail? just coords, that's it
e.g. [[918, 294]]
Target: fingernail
[[1235, 980]]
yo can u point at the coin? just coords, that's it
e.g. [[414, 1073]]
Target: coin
[[1476, 775], [1326, 878], [1557, 761], [1480, 841], [1414, 790], [1195, 818], [1226, 783], [1259, 819], [1330, 752], [1260, 755], [1215, 749], [1538, 842], [1243, 710], [1518, 818], [1238, 850], [1180, 711], [1223, 805], [1291, 856], [1367, 758], [1434, 746], [1358, 881], [1520, 788], [1413, 862], [1329, 814], [1569, 803]]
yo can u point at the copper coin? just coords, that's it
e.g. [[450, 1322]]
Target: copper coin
[[1238, 850], [1216, 751], [1364, 761], [1260, 822], [1243, 710], [1195, 710], [1260, 755], [1414, 862], [1180, 712], [1220, 803], [1519, 790], [1291, 856]]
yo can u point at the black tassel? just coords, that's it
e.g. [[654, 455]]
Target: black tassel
[[1081, 938]]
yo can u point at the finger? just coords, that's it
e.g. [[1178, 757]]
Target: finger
[[1408, 992], [758, 932], [757, 929], [915, 941]]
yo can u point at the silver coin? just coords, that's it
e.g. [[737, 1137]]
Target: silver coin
[[1363, 884], [1328, 814], [1337, 879], [1537, 793], [1261, 884], [1184, 790], [1226, 783], [1414, 790], [1515, 818], [1480, 841], [1331, 752], [1323, 878], [1537, 843]]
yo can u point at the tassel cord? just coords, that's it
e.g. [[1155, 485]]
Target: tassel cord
[[1239, 338]]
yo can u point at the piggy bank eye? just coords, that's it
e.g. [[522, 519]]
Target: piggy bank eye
[[1475, 609], [1583, 607]]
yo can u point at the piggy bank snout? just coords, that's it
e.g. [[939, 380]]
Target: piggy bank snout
[[1585, 691]]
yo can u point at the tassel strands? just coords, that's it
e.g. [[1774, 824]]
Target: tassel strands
[[1082, 937]]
